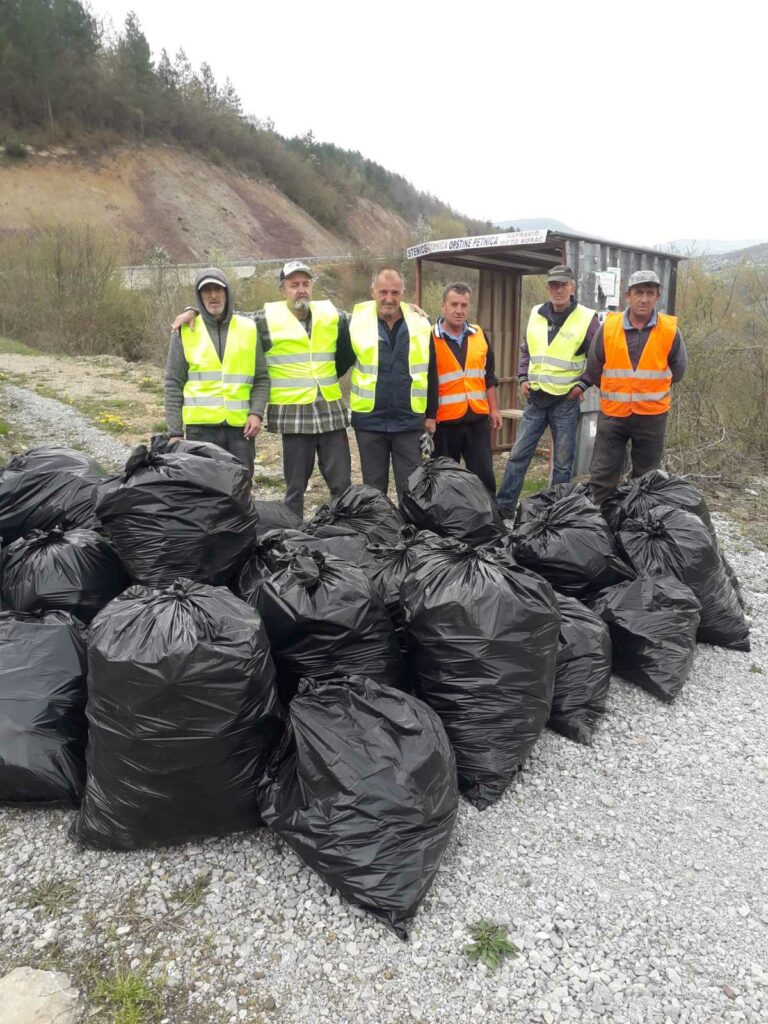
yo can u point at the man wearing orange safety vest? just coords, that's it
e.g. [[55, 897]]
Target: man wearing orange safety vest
[[635, 357], [463, 410]]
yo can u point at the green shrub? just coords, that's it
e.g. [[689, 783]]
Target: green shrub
[[15, 150]]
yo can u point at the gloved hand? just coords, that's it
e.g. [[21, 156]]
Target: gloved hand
[[427, 444]]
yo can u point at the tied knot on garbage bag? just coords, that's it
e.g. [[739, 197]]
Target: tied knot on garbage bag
[[363, 788]]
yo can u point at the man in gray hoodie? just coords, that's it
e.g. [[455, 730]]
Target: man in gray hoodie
[[216, 380]]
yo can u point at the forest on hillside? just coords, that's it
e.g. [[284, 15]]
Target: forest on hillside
[[63, 80]]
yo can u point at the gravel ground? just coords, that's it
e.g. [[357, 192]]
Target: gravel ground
[[632, 876]]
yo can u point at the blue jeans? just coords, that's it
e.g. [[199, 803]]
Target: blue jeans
[[562, 418]]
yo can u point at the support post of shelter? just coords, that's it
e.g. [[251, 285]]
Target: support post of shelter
[[418, 282]]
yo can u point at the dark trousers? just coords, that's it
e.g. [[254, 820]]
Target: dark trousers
[[378, 448], [299, 450], [472, 441], [646, 434], [230, 439]]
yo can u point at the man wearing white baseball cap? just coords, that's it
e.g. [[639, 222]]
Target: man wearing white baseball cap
[[299, 337], [635, 357]]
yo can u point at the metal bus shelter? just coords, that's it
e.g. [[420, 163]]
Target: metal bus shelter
[[602, 269]]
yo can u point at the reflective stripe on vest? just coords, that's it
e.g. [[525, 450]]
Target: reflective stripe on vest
[[217, 392], [555, 367], [624, 391], [364, 333], [299, 364], [457, 388]]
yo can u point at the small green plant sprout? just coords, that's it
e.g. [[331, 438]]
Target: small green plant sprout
[[490, 944], [756, 669], [130, 995]]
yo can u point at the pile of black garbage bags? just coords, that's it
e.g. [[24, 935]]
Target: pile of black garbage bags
[[182, 661]]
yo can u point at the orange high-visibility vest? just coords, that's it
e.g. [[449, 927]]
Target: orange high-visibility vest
[[646, 390], [460, 389]]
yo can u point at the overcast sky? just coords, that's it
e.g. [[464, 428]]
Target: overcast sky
[[636, 122]]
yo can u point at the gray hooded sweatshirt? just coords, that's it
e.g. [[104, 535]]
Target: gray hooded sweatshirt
[[177, 368]]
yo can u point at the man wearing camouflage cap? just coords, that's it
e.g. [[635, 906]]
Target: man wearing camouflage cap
[[552, 377], [635, 357]]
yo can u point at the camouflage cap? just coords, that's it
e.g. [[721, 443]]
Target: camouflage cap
[[563, 273], [644, 277], [294, 267]]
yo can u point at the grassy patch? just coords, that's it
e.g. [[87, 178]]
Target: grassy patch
[[756, 669], [18, 348], [532, 485], [52, 894], [132, 996], [262, 480], [152, 386], [5, 428], [490, 944]]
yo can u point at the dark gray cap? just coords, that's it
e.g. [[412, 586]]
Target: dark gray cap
[[644, 277], [294, 267], [562, 273]]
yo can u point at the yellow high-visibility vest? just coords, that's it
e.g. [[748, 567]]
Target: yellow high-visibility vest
[[219, 391], [556, 368], [298, 363], [364, 333]]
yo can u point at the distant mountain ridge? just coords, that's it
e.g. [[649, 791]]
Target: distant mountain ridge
[[710, 246], [528, 223]]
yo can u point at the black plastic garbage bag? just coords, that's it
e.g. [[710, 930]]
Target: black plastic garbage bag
[[532, 506], [363, 788], [363, 509], [160, 444], [482, 636], [569, 544], [322, 615], [341, 541], [583, 672], [45, 487], [183, 717], [392, 564], [177, 514], [669, 542], [275, 515], [653, 622], [659, 488], [650, 490], [74, 571], [445, 497], [272, 551], [43, 729]]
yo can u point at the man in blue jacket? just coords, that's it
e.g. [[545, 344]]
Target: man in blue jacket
[[389, 356]]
